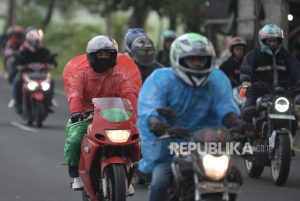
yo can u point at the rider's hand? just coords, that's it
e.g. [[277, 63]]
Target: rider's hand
[[246, 84], [177, 131], [237, 125], [157, 127], [76, 117]]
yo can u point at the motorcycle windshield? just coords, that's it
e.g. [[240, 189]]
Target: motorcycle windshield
[[113, 109]]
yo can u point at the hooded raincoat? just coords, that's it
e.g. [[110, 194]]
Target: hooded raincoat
[[196, 108], [82, 84]]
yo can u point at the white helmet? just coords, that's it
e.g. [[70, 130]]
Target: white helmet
[[188, 45]]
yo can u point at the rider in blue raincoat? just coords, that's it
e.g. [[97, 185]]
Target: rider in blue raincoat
[[200, 95]]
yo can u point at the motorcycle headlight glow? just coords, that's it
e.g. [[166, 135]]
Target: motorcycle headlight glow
[[45, 85], [32, 85], [215, 167], [282, 104], [118, 136]]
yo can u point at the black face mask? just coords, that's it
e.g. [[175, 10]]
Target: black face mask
[[101, 65]]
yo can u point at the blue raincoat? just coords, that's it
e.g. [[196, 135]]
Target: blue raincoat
[[196, 108]]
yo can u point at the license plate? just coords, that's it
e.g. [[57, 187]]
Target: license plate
[[218, 186]]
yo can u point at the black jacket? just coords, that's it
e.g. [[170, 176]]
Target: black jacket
[[163, 57], [26, 57], [231, 67], [147, 70], [257, 67]]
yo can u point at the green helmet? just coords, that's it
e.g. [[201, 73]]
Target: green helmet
[[187, 45], [270, 31]]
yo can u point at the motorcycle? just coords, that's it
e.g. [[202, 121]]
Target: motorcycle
[[274, 122], [200, 175], [109, 150], [36, 93]]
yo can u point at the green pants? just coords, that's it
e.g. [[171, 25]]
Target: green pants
[[75, 133]]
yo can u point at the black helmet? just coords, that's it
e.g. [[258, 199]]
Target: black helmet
[[98, 44], [143, 51], [130, 35]]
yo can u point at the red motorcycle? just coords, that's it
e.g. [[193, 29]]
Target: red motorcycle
[[109, 150], [36, 93]]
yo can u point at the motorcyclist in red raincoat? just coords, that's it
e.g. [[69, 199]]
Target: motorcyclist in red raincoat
[[101, 72]]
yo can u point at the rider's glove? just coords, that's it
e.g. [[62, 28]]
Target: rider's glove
[[237, 125], [156, 126], [76, 117], [177, 131]]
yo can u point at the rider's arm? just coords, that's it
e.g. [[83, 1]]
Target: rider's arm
[[247, 67], [75, 95]]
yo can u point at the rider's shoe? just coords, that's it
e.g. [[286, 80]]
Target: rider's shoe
[[77, 184], [11, 103], [131, 190]]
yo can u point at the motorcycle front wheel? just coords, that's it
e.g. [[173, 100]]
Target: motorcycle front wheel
[[254, 171], [115, 183], [39, 112], [280, 164]]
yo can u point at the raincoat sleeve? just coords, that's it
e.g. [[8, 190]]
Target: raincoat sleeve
[[74, 84], [223, 101], [127, 65], [153, 95]]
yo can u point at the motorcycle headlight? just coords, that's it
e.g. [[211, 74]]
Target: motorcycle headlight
[[282, 104], [118, 136], [215, 167], [45, 85], [32, 85]]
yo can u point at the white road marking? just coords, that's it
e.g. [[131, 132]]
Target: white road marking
[[26, 128]]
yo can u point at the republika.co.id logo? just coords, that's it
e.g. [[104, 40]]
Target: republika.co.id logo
[[228, 148]]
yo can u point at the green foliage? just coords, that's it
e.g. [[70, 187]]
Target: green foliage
[[119, 24], [30, 15], [69, 40]]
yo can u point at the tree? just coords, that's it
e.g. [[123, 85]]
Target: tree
[[11, 15]]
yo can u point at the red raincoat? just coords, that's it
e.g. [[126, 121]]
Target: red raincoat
[[82, 84]]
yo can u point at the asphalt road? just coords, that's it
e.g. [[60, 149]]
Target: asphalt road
[[31, 162]]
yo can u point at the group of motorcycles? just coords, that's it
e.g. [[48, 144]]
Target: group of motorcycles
[[110, 149], [36, 90]]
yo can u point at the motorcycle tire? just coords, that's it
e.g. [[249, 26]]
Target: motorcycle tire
[[116, 183], [39, 111], [253, 170], [282, 152]]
